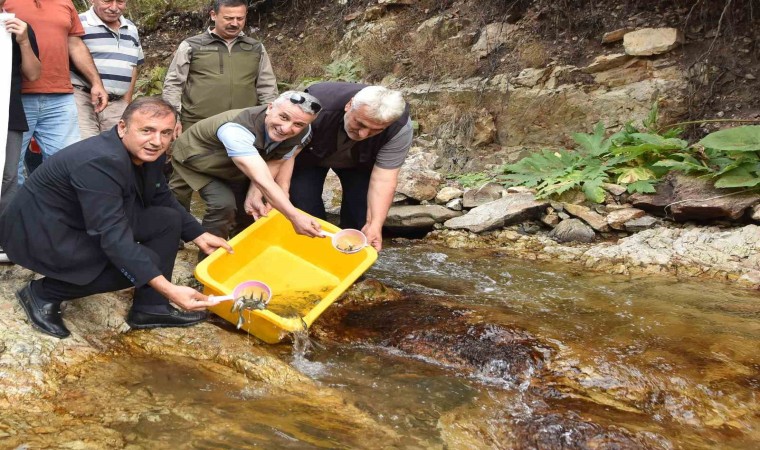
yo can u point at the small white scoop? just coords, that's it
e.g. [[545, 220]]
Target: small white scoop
[[247, 291], [347, 241]]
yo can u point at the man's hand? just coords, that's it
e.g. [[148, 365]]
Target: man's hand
[[188, 298], [254, 205], [306, 225], [208, 242], [98, 98], [17, 27], [374, 236]]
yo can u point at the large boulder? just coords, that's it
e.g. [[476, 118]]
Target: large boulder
[[572, 230], [482, 195], [685, 198], [651, 41], [420, 185], [418, 216], [507, 210]]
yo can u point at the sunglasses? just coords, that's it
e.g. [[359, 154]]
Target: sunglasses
[[298, 99]]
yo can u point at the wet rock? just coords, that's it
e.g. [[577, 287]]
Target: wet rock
[[572, 230], [418, 216], [482, 195], [617, 218], [447, 194], [332, 193], [569, 431], [651, 41], [662, 250], [640, 224], [450, 336], [687, 198], [512, 208], [595, 220], [493, 36]]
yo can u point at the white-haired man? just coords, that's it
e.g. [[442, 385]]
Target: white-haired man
[[237, 158], [363, 134]]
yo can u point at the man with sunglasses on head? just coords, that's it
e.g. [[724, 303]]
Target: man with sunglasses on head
[[238, 159], [363, 134]]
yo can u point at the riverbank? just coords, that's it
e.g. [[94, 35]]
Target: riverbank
[[726, 254]]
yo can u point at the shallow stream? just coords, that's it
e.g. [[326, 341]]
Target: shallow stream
[[674, 364]]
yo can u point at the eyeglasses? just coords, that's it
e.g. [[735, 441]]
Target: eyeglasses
[[298, 99]]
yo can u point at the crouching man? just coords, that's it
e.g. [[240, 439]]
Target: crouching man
[[98, 217], [238, 158]]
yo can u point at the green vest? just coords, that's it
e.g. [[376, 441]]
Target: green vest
[[198, 156], [219, 79]]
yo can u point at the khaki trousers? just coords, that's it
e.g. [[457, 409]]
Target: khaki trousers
[[92, 123]]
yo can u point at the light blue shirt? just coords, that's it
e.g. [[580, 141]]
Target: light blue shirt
[[238, 141]]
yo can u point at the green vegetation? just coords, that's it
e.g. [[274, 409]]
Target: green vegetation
[[344, 70], [472, 179], [637, 158], [153, 84]]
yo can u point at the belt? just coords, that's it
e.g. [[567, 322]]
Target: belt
[[111, 97]]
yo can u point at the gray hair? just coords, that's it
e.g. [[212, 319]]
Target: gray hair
[[383, 104], [307, 102], [231, 3]]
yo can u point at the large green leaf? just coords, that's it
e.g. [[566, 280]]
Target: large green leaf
[[660, 141], [594, 191], [739, 139], [642, 186], [593, 144], [739, 177], [628, 175]]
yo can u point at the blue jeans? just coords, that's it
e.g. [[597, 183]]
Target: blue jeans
[[52, 120]]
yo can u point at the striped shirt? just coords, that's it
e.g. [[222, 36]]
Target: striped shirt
[[115, 54]]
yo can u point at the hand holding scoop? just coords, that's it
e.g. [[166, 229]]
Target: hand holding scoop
[[347, 241]]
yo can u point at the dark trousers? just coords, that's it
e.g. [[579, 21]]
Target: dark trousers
[[225, 216], [10, 172], [157, 229], [307, 184]]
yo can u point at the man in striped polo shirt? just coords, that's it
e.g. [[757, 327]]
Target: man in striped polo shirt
[[115, 47]]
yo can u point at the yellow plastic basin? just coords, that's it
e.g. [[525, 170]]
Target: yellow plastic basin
[[306, 275]]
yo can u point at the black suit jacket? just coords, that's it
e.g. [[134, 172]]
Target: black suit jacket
[[75, 214]]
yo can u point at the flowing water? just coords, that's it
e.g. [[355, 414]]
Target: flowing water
[[674, 364]]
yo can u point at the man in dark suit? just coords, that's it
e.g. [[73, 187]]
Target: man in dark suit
[[98, 217]]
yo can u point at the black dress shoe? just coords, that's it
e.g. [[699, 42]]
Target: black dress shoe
[[43, 315], [171, 318]]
